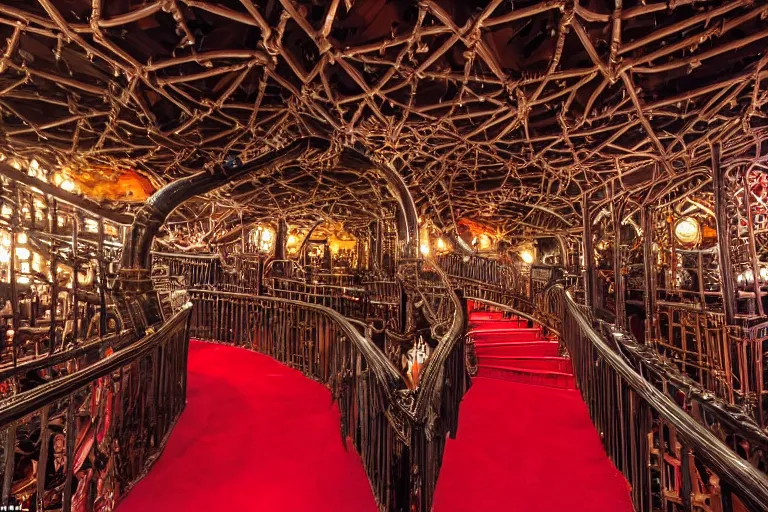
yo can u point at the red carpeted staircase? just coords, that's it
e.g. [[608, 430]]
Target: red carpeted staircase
[[508, 348], [257, 436]]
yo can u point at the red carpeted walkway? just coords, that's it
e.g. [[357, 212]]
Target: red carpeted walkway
[[257, 436]]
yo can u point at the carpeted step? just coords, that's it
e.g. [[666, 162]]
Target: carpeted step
[[486, 315], [506, 334], [520, 349], [553, 364], [506, 323], [547, 378]]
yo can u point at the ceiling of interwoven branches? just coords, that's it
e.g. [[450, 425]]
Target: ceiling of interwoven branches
[[502, 111]]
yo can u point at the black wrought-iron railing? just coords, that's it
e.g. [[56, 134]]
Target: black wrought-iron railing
[[81, 441], [669, 459], [680, 447], [444, 379], [488, 279], [388, 423]]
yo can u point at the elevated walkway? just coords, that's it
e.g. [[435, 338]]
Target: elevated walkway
[[258, 436]]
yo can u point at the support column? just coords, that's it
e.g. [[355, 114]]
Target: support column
[[589, 254], [618, 279], [648, 274], [723, 237]]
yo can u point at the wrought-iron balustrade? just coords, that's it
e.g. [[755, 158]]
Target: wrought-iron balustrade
[[394, 429], [82, 440], [669, 459]]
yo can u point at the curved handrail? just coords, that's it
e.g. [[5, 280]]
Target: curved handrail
[[746, 480], [385, 371], [433, 373], [116, 340], [27, 402]]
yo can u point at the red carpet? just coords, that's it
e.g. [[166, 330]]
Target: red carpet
[[529, 449], [508, 349], [257, 436]]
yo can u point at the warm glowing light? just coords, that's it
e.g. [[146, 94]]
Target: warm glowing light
[[527, 256], [21, 238], [687, 230], [441, 244], [25, 267], [6, 211], [91, 225], [22, 280], [5, 239], [85, 279], [5, 255], [68, 185], [292, 240], [263, 238], [22, 253], [764, 274], [483, 242], [424, 249]]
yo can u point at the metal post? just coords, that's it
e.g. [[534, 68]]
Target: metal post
[[618, 279], [648, 273], [723, 236], [589, 255]]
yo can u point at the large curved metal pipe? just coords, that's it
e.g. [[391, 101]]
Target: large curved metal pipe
[[137, 259]]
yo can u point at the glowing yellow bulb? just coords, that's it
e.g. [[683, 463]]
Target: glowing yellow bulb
[[68, 185], [22, 253], [292, 240], [22, 238], [483, 242], [441, 244], [6, 211], [527, 256], [687, 230], [424, 249], [266, 235]]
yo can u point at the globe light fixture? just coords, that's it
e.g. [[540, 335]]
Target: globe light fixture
[[687, 230]]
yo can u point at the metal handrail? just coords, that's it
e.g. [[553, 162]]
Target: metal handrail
[[27, 402], [431, 380], [384, 370], [747, 481]]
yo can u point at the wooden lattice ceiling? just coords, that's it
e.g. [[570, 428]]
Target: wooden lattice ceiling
[[505, 111]]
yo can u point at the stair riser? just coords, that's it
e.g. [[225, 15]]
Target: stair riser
[[550, 364], [527, 349], [489, 324], [552, 381], [507, 336]]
